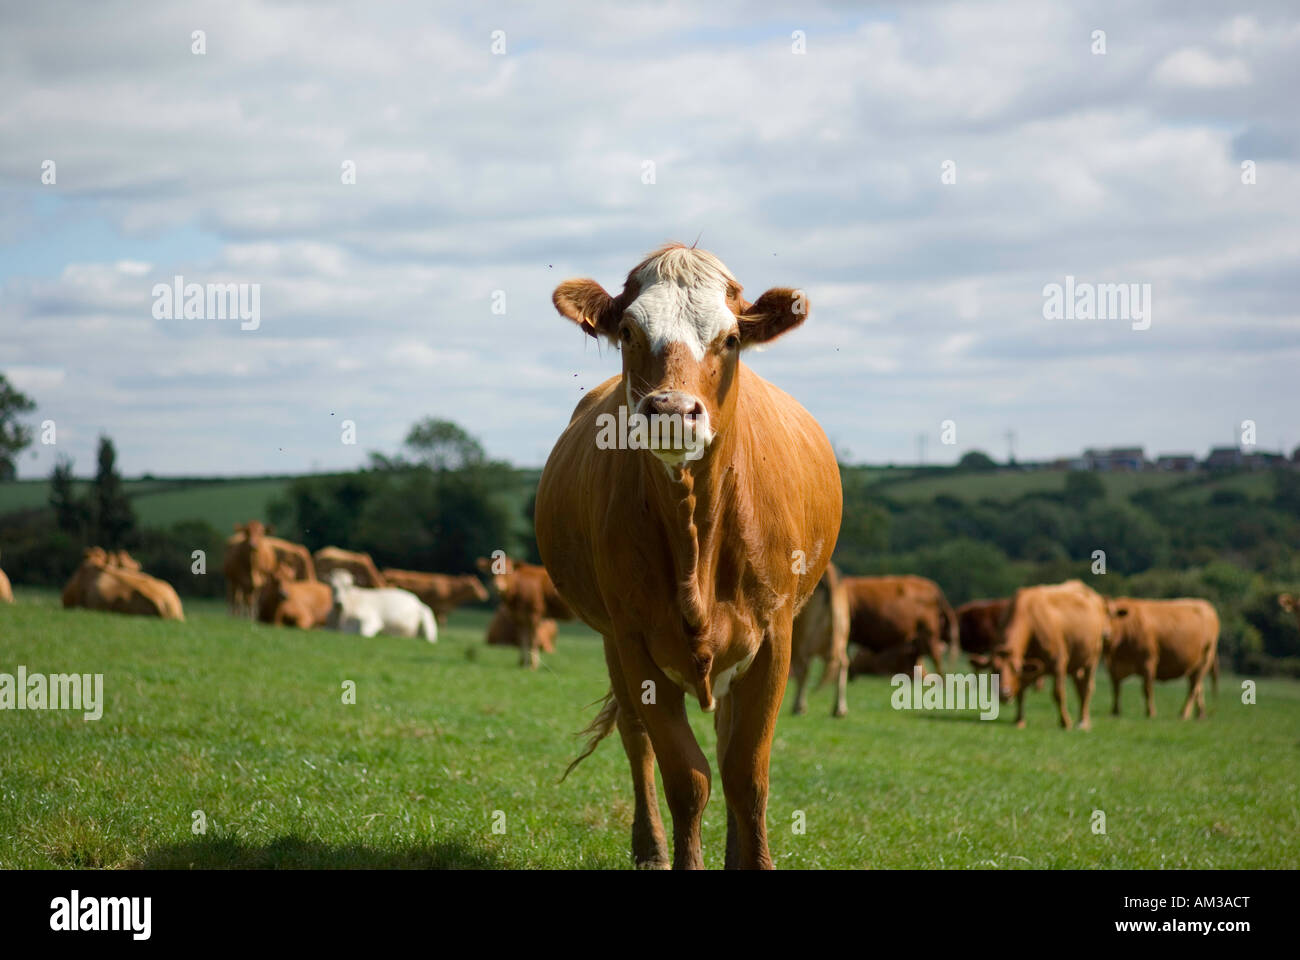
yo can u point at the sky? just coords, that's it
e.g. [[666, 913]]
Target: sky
[[924, 172]]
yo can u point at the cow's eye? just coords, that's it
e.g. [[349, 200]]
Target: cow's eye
[[732, 342], [625, 333]]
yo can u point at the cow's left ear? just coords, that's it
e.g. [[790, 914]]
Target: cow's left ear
[[586, 303], [778, 311]]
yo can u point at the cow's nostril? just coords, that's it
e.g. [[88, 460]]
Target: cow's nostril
[[695, 411]]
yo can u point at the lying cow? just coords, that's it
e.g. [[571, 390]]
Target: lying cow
[[1163, 640], [387, 610], [1058, 630], [901, 618], [98, 585], [440, 592], [287, 601], [363, 569], [501, 632], [822, 630], [528, 596]]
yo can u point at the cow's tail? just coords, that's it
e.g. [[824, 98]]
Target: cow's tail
[[597, 730], [838, 660], [428, 626]]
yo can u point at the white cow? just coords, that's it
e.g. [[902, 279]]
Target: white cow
[[369, 611]]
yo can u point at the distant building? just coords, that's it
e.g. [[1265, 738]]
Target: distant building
[[1176, 462], [1223, 458], [1115, 459]]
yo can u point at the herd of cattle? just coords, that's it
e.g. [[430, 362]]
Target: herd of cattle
[[703, 561]]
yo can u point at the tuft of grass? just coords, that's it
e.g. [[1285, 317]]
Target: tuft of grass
[[246, 724]]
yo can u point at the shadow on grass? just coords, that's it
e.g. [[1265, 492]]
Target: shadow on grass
[[295, 853]]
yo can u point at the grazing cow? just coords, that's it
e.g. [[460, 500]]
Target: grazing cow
[[388, 610], [690, 554], [286, 600], [248, 564], [1059, 630], [364, 572], [295, 556], [902, 618], [1163, 640], [441, 592], [99, 585], [528, 596], [822, 630], [502, 632], [979, 624]]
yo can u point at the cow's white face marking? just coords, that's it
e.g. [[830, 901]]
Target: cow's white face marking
[[668, 312]]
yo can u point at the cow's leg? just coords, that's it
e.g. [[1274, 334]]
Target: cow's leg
[[756, 701], [1058, 694], [682, 763], [649, 846], [841, 707], [1115, 680], [1191, 696], [1149, 687], [1085, 682], [1020, 706], [528, 657], [934, 645], [722, 726], [799, 669]]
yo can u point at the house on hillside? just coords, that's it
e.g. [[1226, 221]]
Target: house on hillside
[[1223, 458], [1176, 462], [1115, 459]]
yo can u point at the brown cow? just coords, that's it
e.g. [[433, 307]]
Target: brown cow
[[903, 617], [1291, 604], [528, 596], [979, 624], [363, 569], [6, 591], [441, 592], [502, 632], [293, 555], [124, 561], [248, 564], [98, 585], [1059, 630], [822, 630], [285, 600], [692, 553], [1163, 640]]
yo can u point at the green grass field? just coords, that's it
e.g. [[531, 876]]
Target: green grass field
[[245, 723]]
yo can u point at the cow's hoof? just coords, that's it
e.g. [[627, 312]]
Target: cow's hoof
[[1020, 724], [799, 711], [1086, 726], [840, 712], [653, 865]]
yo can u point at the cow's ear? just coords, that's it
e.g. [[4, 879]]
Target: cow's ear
[[1121, 611], [586, 303], [778, 311]]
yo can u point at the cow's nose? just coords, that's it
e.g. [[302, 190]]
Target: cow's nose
[[668, 402]]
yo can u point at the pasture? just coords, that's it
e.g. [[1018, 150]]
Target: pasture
[[246, 723]]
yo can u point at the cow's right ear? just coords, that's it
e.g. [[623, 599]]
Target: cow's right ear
[[586, 303]]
